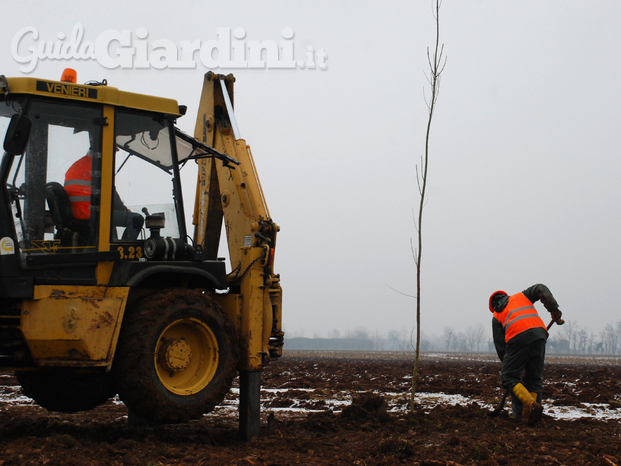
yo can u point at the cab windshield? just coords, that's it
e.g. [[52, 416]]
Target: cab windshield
[[45, 222]]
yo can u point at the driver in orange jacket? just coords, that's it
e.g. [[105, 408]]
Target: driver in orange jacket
[[78, 187], [520, 339]]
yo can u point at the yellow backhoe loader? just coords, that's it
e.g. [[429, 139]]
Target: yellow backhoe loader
[[102, 290]]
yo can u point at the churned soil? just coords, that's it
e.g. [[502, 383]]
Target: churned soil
[[322, 408]]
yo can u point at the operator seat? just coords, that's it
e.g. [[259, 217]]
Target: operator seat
[[70, 230]]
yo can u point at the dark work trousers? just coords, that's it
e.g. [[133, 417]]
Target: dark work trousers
[[131, 221], [528, 359]]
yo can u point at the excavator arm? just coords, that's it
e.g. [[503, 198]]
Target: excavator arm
[[233, 195]]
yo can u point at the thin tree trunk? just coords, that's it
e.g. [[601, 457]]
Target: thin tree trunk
[[436, 66]]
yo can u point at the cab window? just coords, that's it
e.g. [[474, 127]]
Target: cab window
[[143, 176], [55, 184]]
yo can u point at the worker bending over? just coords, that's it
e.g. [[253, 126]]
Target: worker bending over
[[520, 339]]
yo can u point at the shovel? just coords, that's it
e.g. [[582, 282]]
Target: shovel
[[501, 405]]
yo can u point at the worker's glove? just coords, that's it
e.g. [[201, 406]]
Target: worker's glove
[[556, 316]]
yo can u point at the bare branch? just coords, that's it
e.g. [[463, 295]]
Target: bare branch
[[400, 292], [414, 252], [415, 225], [418, 180]]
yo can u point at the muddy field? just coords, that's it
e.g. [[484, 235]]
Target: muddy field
[[343, 409]]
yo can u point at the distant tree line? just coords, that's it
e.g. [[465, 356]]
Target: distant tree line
[[575, 340], [566, 339]]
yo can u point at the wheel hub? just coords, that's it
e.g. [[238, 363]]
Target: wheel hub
[[175, 355], [186, 356]]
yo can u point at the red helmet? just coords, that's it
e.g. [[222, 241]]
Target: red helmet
[[494, 294]]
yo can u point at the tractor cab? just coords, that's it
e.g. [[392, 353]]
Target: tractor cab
[[101, 167]]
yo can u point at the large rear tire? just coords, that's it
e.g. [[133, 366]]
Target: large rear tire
[[66, 390], [176, 357]]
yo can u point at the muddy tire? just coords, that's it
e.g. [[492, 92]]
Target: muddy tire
[[66, 391], [176, 357]]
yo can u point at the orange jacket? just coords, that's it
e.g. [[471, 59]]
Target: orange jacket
[[519, 315], [78, 187]]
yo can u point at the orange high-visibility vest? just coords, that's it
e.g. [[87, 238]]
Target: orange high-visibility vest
[[519, 315], [78, 187]]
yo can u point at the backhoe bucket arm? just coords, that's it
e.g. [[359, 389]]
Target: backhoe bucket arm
[[234, 195]]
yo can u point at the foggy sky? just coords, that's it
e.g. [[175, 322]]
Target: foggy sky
[[524, 151]]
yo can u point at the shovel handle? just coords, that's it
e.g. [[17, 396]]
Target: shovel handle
[[560, 322]]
